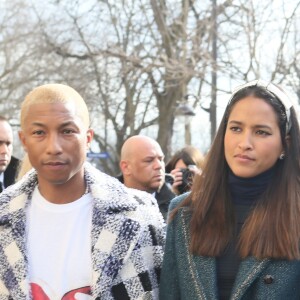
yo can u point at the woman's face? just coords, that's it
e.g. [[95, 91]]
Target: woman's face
[[252, 139], [180, 164]]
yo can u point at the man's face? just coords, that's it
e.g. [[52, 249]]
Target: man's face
[[147, 167], [6, 147], [55, 138]]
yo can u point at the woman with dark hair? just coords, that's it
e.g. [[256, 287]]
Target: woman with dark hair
[[182, 166], [237, 234]]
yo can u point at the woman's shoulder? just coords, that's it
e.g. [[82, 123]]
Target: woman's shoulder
[[177, 201]]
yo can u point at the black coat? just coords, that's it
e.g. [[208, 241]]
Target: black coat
[[164, 197], [11, 171]]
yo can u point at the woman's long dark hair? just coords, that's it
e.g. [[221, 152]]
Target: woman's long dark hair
[[273, 227]]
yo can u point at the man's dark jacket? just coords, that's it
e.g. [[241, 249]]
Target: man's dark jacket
[[11, 171]]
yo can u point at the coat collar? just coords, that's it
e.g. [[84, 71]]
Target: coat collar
[[114, 233], [105, 190]]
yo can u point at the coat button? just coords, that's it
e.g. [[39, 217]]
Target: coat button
[[268, 279]]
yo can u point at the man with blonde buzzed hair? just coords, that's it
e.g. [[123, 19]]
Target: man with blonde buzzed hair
[[67, 230], [143, 168]]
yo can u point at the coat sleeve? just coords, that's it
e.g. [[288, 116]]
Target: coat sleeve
[[139, 276]]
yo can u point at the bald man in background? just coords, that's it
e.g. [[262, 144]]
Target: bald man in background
[[143, 168], [8, 163]]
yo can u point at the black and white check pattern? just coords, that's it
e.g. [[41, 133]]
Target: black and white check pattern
[[127, 239]]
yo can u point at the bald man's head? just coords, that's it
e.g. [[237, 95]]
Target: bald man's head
[[6, 144], [135, 143], [55, 93], [142, 163]]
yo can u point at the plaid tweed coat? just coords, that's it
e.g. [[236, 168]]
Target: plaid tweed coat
[[128, 237], [186, 276]]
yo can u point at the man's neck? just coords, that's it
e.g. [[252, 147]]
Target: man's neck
[[137, 186], [62, 193]]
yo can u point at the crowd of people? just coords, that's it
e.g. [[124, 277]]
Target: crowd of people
[[220, 226]]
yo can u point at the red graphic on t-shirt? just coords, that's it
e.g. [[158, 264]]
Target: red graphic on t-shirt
[[39, 294]]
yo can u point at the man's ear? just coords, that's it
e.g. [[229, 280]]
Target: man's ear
[[23, 140], [89, 135], [125, 167]]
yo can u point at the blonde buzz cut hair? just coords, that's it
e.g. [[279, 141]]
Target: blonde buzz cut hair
[[55, 93]]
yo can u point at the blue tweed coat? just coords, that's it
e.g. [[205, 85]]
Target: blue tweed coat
[[189, 277], [127, 239]]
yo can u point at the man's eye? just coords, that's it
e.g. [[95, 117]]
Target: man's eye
[[149, 160], [68, 131], [38, 132]]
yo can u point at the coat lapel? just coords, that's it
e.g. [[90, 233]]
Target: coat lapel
[[207, 278], [205, 282], [12, 241], [250, 268], [114, 235]]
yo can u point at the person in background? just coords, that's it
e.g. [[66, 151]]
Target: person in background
[[183, 166], [143, 168], [24, 167], [8, 163], [237, 234], [67, 230]]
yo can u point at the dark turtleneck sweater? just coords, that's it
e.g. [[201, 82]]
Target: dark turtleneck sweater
[[244, 193]]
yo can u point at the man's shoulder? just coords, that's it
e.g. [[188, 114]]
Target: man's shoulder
[[141, 197], [14, 196], [13, 164], [113, 188], [164, 194], [11, 171]]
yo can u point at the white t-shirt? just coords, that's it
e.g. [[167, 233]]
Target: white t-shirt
[[59, 248]]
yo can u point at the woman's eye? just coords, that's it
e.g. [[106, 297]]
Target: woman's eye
[[235, 128], [262, 132]]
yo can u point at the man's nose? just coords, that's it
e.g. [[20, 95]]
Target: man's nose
[[54, 144], [159, 164]]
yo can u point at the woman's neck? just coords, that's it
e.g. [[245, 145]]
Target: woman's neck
[[248, 190]]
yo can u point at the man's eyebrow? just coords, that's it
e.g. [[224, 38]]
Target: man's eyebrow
[[67, 123], [149, 156], [154, 156], [5, 141], [37, 124]]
